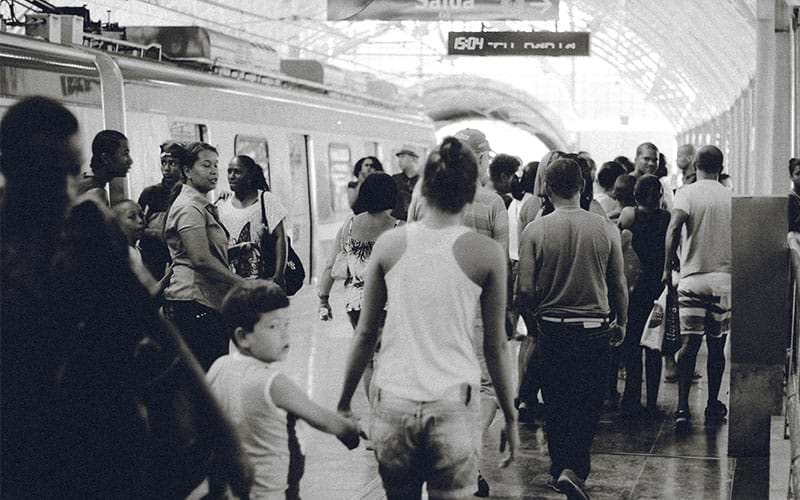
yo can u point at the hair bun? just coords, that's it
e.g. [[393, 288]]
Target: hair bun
[[450, 149]]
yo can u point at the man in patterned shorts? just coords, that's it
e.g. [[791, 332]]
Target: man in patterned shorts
[[704, 289]]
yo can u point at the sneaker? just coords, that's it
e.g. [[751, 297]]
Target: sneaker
[[716, 411], [483, 487], [569, 483], [552, 483], [683, 421]]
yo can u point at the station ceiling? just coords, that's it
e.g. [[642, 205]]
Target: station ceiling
[[690, 58]]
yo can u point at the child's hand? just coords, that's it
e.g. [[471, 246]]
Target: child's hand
[[350, 437]]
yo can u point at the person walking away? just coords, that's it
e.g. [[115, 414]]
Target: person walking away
[[111, 157], [570, 299], [154, 201], [606, 178], [434, 273], [357, 237], [252, 245], [647, 223], [704, 289], [198, 245], [405, 181], [263, 403]]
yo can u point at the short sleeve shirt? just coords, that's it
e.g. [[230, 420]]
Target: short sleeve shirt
[[706, 243], [244, 224], [190, 213], [571, 252], [242, 385], [405, 188]]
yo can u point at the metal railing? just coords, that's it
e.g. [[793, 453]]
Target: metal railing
[[116, 45], [792, 375]]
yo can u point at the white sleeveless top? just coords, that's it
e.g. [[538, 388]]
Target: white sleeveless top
[[426, 347]]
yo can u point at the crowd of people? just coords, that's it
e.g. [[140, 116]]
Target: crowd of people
[[443, 267]]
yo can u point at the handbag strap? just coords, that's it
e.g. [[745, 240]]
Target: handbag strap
[[264, 212], [349, 233]]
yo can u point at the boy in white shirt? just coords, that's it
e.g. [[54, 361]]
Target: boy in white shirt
[[263, 403]]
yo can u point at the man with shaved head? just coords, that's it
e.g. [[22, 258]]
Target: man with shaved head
[[704, 289], [684, 162]]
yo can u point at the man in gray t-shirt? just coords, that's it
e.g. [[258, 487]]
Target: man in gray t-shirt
[[704, 289], [570, 266]]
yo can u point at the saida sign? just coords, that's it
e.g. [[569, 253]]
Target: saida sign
[[442, 10]]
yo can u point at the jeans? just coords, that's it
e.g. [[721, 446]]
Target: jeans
[[573, 384], [433, 442], [201, 327]]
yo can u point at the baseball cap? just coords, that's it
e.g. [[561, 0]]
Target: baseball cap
[[407, 151], [475, 139]]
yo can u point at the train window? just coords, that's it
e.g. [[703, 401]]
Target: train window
[[257, 149], [339, 166], [188, 132], [371, 149]]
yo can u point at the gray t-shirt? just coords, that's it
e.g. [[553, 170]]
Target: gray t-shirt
[[574, 252], [706, 243]]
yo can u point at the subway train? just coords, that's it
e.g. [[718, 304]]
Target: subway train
[[306, 134]]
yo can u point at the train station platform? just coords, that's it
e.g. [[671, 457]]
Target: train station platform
[[630, 459]]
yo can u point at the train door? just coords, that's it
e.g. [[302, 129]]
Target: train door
[[300, 206]]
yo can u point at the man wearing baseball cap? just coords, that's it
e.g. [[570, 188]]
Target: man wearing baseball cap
[[479, 145], [405, 180]]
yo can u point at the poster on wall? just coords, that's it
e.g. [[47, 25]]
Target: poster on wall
[[442, 10]]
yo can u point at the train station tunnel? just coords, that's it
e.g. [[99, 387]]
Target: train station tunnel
[[310, 89]]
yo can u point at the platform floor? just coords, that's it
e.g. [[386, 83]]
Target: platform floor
[[630, 459]]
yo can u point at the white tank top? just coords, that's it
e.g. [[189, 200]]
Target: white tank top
[[426, 347]]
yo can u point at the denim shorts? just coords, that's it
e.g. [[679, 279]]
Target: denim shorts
[[435, 442]]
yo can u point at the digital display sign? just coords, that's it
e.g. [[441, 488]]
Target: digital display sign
[[518, 43]]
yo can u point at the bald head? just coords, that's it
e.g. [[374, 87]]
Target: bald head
[[709, 160], [685, 156]]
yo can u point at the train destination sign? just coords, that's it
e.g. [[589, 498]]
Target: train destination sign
[[518, 43], [438, 10]]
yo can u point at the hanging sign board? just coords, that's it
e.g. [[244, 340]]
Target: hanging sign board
[[443, 10], [518, 43]]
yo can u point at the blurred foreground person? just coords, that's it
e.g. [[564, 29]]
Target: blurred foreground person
[[86, 411]]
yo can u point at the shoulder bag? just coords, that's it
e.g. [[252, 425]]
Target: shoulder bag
[[295, 273]]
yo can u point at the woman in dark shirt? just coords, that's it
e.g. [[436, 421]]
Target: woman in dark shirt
[[647, 223], [361, 171]]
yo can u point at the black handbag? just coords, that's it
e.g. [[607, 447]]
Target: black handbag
[[672, 324], [295, 273]]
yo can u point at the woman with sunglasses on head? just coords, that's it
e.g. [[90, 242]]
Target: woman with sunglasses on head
[[362, 169], [647, 222]]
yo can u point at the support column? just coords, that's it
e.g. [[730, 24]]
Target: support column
[[764, 111], [759, 305], [782, 121]]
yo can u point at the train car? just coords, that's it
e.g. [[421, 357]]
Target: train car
[[307, 136]]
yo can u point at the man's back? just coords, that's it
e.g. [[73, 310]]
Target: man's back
[[572, 250], [706, 245]]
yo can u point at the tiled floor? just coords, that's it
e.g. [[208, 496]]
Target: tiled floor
[[630, 460]]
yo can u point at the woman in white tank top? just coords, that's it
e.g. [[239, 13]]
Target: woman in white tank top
[[424, 422]]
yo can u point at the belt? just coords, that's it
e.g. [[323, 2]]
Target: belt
[[585, 322], [461, 393]]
